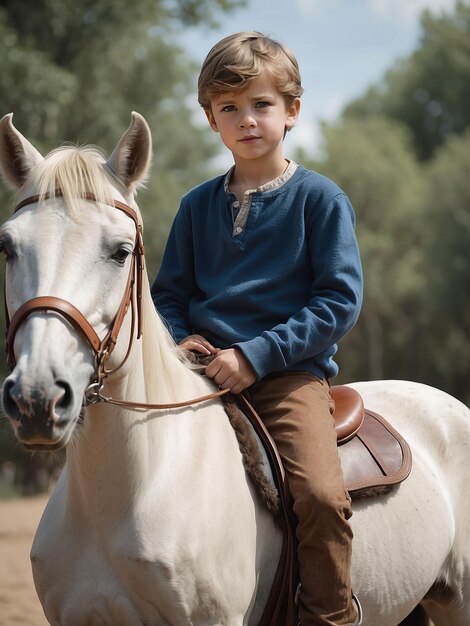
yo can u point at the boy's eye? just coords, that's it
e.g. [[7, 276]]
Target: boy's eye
[[262, 105], [228, 108]]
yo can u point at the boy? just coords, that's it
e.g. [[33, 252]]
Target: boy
[[262, 270]]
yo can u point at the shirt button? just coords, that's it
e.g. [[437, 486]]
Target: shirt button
[[238, 230]]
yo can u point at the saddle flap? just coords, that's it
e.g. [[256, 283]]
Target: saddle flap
[[378, 457]]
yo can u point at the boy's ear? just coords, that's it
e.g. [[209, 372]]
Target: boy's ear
[[211, 120], [293, 113]]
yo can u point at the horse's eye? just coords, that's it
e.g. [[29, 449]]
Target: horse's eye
[[121, 255], [5, 250]]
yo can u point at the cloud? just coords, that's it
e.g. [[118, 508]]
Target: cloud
[[409, 10]]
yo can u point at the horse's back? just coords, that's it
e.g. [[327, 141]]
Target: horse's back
[[416, 536]]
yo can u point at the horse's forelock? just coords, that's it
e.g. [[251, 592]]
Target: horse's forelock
[[74, 171]]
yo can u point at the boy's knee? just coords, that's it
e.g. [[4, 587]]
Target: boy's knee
[[323, 504]]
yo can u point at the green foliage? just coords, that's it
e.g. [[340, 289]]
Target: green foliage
[[372, 160], [74, 72], [447, 244], [429, 91]]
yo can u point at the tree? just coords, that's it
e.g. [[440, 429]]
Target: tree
[[372, 160], [430, 90], [446, 303], [73, 71]]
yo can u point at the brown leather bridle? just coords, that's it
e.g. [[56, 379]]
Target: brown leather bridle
[[102, 348]]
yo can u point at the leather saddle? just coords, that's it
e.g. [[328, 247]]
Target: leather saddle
[[374, 456]]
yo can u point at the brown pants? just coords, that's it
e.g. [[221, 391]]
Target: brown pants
[[296, 408]]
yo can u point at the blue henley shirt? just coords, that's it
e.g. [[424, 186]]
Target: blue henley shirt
[[284, 290]]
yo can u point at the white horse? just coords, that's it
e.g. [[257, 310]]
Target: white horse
[[153, 520]]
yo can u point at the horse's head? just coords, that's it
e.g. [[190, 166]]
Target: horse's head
[[70, 256]]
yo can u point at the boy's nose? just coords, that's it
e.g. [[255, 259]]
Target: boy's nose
[[247, 120]]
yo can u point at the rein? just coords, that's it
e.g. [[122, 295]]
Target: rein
[[94, 396], [102, 349]]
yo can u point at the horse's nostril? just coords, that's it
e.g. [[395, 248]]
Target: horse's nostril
[[60, 404], [10, 404], [66, 397]]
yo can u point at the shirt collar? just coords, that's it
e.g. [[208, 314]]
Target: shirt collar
[[269, 186]]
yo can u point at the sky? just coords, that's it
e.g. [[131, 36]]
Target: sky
[[342, 46]]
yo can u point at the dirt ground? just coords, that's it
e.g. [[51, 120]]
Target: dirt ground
[[19, 604]]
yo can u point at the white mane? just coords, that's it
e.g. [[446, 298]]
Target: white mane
[[164, 363]]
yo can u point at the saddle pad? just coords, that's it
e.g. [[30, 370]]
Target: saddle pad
[[376, 458]]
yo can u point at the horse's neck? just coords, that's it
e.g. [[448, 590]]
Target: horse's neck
[[120, 451]]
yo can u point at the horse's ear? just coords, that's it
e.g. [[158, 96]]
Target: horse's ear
[[17, 155], [132, 156]]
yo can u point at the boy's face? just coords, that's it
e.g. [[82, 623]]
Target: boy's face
[[252, 122]]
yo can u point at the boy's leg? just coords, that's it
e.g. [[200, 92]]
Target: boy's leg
[[296, 408]]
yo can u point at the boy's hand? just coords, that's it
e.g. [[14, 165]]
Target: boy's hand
[[198, 343], [230, 370]]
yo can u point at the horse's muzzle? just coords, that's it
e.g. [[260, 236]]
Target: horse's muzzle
[[40, 419]]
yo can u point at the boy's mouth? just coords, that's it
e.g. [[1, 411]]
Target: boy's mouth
[[249, 139]]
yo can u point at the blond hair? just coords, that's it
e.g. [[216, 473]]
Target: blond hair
[[239, 58]]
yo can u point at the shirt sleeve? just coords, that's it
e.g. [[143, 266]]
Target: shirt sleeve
[[175, 281], [336, 295]]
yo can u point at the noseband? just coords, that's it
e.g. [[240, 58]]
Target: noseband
[[102, 349]]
